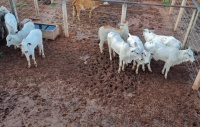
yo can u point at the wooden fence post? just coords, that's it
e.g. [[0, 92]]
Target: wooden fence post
[[180, 14], [14, 10], [195, 20], [123, 16], [196, 84], [36, 7], [189, 28], [65, 21], [171, 8]]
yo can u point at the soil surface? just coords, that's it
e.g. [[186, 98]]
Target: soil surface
[[77, 86]]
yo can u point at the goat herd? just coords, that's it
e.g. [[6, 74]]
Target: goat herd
[[28, 38], [128, 47]]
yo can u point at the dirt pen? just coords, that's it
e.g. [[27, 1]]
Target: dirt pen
[[77, 86]]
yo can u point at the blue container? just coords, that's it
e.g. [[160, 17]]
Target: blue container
[[44, 27]]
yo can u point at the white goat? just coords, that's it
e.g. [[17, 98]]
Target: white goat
[[29, 43], [125, 52], [171, 56], [11, 23], [16, 39], [104, 30], [3, 12], [134, 41], [166, 40]]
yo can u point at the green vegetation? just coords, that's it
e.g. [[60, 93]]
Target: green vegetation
[[21, 4], [54, 4], [167, 2]]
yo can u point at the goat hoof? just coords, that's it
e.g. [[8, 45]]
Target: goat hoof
[[29, 67], [35, 65], [43, 56]]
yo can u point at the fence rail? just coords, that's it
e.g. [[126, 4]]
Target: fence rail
[[148, 4]]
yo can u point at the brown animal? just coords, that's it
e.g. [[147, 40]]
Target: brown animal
[[79, 5]]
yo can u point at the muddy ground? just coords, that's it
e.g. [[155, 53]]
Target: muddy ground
[[77, 86]]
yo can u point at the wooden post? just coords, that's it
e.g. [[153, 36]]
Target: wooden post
[[65, 21], [14, 10], [171, 8], [189, 28], [123, 16], [180, 14], [195, 20], [196, 84], [36, 7]]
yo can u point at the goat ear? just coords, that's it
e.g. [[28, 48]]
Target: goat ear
[[29, 43]]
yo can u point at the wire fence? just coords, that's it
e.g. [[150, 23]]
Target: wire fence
[[194, 42], [193, 38]]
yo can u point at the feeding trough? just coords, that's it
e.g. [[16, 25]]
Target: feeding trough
[[49, 31]]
